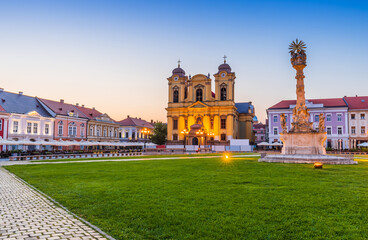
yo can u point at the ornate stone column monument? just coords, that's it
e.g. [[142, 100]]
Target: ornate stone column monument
[[303, 144]]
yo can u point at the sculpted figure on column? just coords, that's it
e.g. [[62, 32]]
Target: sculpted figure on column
[[300, 112]]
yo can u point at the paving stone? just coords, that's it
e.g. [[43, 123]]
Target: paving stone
[[26, 214]]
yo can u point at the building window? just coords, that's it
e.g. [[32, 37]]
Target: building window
[[176, 96], [362, 116], [91, 131], [185, 92], [353, 130], [29, 127], [175, 124], [47, 128], [339, 130], [362, 130], [98, 132], [286, 118], [223, 93], [126, 135], [328, 118], [329, 130], [352, 116], [105, 132], [275, 131], [199, 95], [211, 123], [316, 118], [82, 131], [223, 123], [186, 123], [339, 117], [15, 126], [60, 128], [116, 133], [223, 137], [72, 129], [35, 128], [133, 135], [1, 125], [175, 137], [275, 119]]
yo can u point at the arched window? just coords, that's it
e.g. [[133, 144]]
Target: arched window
[[72, 130], [223, 92], [185, 92], [91, 131], [176, 95], [199, 95]]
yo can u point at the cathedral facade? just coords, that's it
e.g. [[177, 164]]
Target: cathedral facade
[[198, 116]]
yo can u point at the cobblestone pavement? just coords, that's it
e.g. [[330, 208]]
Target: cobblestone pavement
[[26, 214]]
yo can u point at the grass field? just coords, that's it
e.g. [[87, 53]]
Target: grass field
[[140, 157], [210, 199]]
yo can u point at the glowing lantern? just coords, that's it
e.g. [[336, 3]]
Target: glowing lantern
[[318, 165]]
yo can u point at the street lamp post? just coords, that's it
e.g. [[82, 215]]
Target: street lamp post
[[146, 132], [211, 134], [200, 133], [185, 132]]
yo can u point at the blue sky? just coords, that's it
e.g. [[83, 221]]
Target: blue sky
[[116, 55]]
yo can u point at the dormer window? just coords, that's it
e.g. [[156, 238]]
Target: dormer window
[[199, 95]]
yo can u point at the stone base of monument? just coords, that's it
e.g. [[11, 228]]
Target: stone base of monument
[[325, 159], [303, 143]]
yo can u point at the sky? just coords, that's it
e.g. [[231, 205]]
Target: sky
[[117, 55]]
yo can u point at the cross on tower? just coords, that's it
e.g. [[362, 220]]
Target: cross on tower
[[224, 58], [179, 62]]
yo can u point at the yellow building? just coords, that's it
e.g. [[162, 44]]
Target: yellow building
[[197, 115]]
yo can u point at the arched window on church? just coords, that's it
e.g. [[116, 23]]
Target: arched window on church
[[176, 95], [223, 92], [199, 95], [185, 93]]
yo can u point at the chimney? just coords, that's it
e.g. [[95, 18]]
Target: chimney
[[61, 100], [83, 105], [20, 93], [139, 118], [1, 89], [93, 108], [151, 121], [127, 116], [77, 104]]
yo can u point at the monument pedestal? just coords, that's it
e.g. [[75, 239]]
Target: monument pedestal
[[303, 143], [324, 159]]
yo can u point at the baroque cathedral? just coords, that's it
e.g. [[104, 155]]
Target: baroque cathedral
[[198, 116]]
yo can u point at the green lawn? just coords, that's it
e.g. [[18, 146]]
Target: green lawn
[[210, 199], [140, 157]]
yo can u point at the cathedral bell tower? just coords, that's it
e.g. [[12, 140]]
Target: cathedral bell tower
[[177, 85], [224, 82]]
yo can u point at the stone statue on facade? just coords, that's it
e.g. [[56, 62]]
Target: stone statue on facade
[[321, 126], [283, 122]]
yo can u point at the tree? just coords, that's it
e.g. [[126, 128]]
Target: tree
[[159, 133]]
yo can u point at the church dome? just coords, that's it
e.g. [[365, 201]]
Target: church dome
[[224, 67], [178, 71]]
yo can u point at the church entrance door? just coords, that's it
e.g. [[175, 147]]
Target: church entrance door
[[195, 141]]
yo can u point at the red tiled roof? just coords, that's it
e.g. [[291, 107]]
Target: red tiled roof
[[89, 112], [135, 122], [259, 125], [62, 108], [2, 109], [327, 102], [358, 102]]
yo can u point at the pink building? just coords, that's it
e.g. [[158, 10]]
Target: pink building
[[70, 123], [3, 126]]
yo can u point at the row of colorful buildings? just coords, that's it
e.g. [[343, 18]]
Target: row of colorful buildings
[[346, 120], [27, 118]]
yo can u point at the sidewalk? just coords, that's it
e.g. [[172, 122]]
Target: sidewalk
[[26, 214]]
